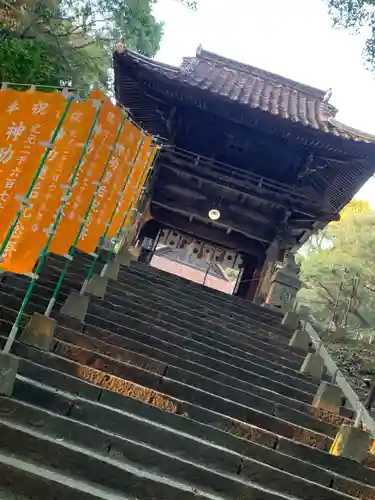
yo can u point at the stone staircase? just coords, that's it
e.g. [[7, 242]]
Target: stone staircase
[[168, 390]]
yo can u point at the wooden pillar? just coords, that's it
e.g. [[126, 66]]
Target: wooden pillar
[[147, 238], [247, 286], [274, 255]]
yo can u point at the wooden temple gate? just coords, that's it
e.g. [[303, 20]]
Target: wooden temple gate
[[264, 151]]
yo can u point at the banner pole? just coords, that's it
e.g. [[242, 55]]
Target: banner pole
[[85, 218], [90, 272], [59, 212], [133, 210], [25, 200]]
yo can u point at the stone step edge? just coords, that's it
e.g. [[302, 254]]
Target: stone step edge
[[261, 346], [17, 411], [242, 461], [312, 412], [251, 309], [159, 286], [124, 335], [217, 296], [119, 286], [150, 271], [70, 352], [236, 429], [116, 290], [105, 461], [17, 476], [259, 352], [172, 404], [158, 378], [307, 382]]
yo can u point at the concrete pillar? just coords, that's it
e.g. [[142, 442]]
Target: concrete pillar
[[285, 284], [302, 311], [97, 286], [76, 306], [8, 372], [112, 270], [300, 340], [313, 365], [39, 332], [291, 320], [329, 397], [352, 443], [124, 257]]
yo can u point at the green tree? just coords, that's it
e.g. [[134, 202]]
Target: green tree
[[339, 274], [355, 15], [70, 42]]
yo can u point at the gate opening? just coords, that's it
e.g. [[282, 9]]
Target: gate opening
[[197, 261]]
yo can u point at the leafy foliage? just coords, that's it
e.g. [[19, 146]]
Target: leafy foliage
[[355, 15], [69, 42], [341, 271]]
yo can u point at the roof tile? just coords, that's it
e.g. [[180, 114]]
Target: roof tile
[[257, 89]]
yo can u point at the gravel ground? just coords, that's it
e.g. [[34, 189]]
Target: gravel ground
[[356, 360]]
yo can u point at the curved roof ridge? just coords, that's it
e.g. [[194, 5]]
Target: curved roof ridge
[[269, 75], [269, 92], [153, 63], [351, 132]]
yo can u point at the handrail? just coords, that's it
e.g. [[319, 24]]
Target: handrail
[[362, 415]]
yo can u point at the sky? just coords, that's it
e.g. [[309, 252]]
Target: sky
[[293, 38]]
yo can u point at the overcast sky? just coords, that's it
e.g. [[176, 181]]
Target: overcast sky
[[293, 38]]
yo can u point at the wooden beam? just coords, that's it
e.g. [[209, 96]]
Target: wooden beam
[[204, 201], [208, 233], [284, 202], [240, 211], [264, 234]]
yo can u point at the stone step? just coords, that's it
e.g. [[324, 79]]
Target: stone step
[[122, 348], [133, 379], [123, 296], [224, 301], [203, 369], [263, 344], [205, 358], [84, 349], [197, 423], [17, 287], [173, 303], [157, 290], [212, 375], [210, 293], [21, 480], [234, 305], [120, 476], [282, 374], [126, 310], [113, 322], [76, 275], [275, 418], [140, 440], [202, 353]]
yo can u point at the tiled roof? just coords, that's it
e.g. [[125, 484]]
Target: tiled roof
[[257, 89]]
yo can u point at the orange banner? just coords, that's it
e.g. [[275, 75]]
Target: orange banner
[[112, 186], [96, 156], [33, 229], [28, 120], [129, 192], [141, 169], [142, 181]]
